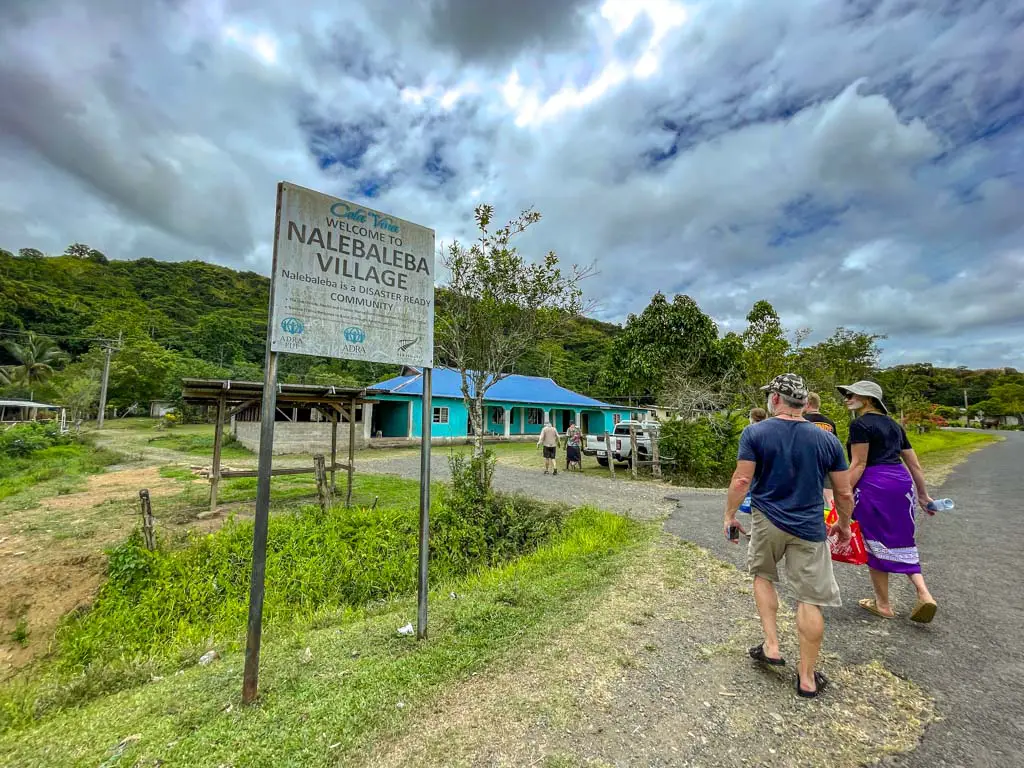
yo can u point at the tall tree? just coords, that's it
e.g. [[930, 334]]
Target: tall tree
[[665, 341], [34, 360], [497, 307], [78, 250], [765, 349], [843, 358], [1010, 398], [905, 387], [79, 393]]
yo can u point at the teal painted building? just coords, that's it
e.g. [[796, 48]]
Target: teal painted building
[[515, 407]]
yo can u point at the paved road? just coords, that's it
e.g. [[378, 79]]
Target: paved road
[[644, 500], [971, 659]]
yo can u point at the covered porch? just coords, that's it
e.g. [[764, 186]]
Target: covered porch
[[517, 420], [19, 411]]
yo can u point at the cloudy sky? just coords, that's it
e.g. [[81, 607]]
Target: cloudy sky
[[855, 162]]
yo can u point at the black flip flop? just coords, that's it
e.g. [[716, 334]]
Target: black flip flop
[[757, 654], [820, 683]]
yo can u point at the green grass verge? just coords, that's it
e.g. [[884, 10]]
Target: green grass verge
[[160, 610], [198, 443], [286, 490], [358, 679], [54, 471], [941, 440]]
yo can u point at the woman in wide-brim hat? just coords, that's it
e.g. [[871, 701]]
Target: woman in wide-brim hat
[[888, 485]]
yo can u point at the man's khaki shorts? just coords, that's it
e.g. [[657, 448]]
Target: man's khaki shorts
[[808, 563]]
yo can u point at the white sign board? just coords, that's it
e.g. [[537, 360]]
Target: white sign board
[[350, 282]]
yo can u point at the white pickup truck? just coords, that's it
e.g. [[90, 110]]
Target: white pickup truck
[[620, 445]]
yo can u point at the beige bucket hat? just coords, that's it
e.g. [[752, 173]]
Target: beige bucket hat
[[864, 389]]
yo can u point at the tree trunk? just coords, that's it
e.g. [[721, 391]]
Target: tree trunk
[[477, 419]]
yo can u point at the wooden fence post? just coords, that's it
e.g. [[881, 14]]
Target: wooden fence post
[[656, 454], [323, 485], [632, 450], [218, 438], [351, 451], [334, 446], [148, 534], [611, 461]]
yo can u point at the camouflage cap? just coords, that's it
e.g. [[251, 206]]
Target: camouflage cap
[[788, 385]]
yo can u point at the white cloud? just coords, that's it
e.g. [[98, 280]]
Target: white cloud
[[853, 169]]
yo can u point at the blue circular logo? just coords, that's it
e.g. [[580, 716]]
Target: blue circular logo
[[355, 335], [292, 325]]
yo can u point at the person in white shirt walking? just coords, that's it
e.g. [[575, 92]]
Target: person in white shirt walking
[[549, 440]]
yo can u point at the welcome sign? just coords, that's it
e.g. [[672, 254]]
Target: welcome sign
[[350, 282]]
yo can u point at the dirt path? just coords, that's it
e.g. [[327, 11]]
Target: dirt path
[[657, 675], [51, 555]]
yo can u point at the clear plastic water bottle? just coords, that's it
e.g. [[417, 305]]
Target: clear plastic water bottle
[[940, 505]]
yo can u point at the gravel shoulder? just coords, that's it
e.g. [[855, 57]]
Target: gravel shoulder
[[639, 500], [657, 675]]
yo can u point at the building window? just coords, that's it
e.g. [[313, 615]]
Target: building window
[[441, 415], [535, 416], [497, 414], [616, 418]]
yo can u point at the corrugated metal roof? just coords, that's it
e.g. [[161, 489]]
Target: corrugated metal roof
[[447, 382], [209, 390], [28, 404]]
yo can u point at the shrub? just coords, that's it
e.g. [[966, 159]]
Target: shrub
[[476, 526], [22, 440], [704, 449]]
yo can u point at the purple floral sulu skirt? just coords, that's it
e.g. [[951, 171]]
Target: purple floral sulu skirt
[[886, 507]]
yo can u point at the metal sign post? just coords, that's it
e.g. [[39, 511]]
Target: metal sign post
[[254, 630], [423, 587], [352, 283]]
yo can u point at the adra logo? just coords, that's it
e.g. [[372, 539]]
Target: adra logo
[[355, 335], [292, 325]]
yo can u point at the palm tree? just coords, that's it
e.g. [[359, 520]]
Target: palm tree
[[35, 358]]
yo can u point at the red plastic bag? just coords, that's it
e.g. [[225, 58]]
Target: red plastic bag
[[854, 551]]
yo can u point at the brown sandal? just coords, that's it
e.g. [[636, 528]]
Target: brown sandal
[[869, 605], [923, 612]]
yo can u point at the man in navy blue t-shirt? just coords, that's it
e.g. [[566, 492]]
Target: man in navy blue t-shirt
[[784, 462]]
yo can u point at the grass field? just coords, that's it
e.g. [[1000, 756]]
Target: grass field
[[330, 685], [55, 471], [941, 440]]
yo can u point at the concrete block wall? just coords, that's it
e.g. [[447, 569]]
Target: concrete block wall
[[299, 437]]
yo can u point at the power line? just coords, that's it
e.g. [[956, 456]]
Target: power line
[[12, 332]]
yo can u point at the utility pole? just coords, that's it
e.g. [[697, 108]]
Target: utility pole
[[103, 388], [106, 376]]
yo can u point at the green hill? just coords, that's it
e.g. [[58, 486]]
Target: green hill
[[194, 318]]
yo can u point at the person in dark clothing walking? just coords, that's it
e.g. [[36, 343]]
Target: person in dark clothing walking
[[814, 415], [784, 461], [890, 485]]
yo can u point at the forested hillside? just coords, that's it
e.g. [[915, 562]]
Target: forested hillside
[[212, 312], [193, 318]]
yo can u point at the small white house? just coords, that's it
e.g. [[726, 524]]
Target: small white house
[[160, 408]]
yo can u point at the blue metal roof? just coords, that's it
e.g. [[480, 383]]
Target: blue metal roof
[[447, 382]]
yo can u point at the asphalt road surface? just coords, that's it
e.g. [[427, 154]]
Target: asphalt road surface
[[971, 658]]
